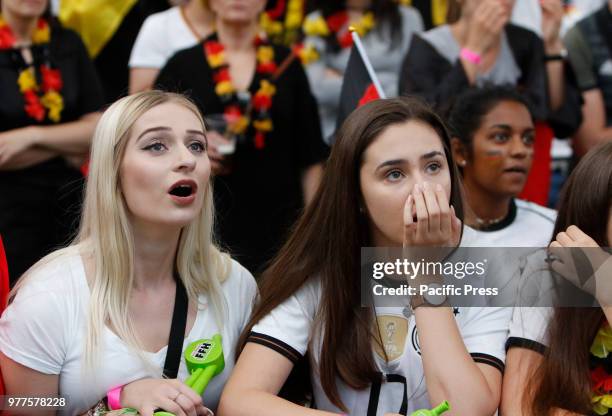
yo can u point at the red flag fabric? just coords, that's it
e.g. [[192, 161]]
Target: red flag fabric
[[357, 87], [537, 187]]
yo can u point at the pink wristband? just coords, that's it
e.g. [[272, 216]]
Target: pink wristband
[[471, 56], [113, 396]]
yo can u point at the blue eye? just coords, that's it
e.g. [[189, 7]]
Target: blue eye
[[394, 175], [433, 167], [156, 147], [197, 146]]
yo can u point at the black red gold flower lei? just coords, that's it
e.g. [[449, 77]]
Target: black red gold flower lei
[[258, 114], [42, 100]]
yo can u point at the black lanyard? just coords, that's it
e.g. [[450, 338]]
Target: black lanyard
[[177, 329]]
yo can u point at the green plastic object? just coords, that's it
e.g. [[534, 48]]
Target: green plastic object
[[205, 360], [436, 411]]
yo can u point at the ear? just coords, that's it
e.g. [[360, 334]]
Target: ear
[[459, 151]]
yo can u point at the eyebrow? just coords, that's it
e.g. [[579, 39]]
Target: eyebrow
[[508, 127], [161, 128], [394, 162], [198, 132]]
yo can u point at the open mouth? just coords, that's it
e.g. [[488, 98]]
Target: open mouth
[[516, 170], [183, 189]]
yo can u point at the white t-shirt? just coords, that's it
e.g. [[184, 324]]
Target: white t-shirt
[[44, 329], [527, 225], [289, 330], [161, 36]]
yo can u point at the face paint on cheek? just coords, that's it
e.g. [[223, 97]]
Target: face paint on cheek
[[495, 153]]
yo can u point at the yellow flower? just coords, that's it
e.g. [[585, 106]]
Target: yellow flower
[[27, 80], [239, 125], [602, 344], [270, 26], [41, 35], [265, 87], [316, 26], [263, 125], [53, 101], [309, 54], [216, 60], [601, 404], [365, 24], [224, 87], [265, 54], [294, 17]]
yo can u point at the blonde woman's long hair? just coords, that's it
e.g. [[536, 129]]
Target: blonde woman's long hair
[[105, 232]]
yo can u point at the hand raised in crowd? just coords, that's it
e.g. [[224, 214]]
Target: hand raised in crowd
[[429, 220], [148, 394], [486, 24], [220, 162], [552, 15], [580, 260]]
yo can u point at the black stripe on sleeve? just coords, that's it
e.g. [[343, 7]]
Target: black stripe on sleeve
[[525, 343], [488, 359], [277, 345]]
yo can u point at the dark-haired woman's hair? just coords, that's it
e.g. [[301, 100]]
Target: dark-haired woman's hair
[[326, 242], [562, 380], [471, 107], [386, 13]]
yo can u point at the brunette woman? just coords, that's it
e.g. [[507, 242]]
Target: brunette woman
[[390, 182], [558, 359]]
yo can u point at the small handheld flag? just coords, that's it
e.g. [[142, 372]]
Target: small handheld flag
[[360, 84]]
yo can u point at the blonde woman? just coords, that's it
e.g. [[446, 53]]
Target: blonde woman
[[97, 315]]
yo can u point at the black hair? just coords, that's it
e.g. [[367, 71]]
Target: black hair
[[473, 105]]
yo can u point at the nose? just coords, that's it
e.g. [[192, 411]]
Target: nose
[[518, 148], [186, 161]]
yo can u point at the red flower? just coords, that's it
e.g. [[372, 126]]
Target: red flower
[[262, 102], [7, 40], [222, 75], [260, 140], [51, 79], [336, 21], [232, 111], [277, 11], [346, 40], [41, 24], [33, 106], [213, 47], [602, 381], [266, 68]]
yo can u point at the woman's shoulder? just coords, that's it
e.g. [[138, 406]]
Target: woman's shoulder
[[239, 280], [58, 277], [161, 19], [410, 16], [536, 212]]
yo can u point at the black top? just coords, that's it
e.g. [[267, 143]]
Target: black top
[[427, 73], [257, 203], [35, 201]]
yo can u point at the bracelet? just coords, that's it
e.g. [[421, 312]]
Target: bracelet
[[471, 56], [113, 396]]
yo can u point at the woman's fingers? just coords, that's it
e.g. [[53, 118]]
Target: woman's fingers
[[446, 226], [186, 404], [563, 239], [171, 406], [433, 210], [421, 213]]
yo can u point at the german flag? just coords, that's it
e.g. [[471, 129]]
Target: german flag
[[359, 85]]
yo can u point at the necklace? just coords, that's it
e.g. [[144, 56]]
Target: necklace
[[335, 27], [254, 112], [483, 223], [44, 99]]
